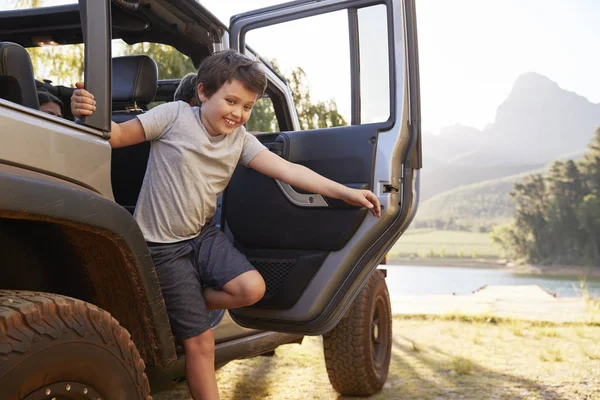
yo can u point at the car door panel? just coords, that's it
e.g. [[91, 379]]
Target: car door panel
[[345, 155], [267, 219], [316, 257]]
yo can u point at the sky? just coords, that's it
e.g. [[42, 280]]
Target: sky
[[471, 52]]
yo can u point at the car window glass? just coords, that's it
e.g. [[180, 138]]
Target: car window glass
[[313, 55], [263, 117], [26, 4], [56, 64], [374, 64], [171, 63], [60, 64]]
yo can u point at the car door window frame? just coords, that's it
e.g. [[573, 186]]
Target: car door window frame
[[97, 33], [281, 14]]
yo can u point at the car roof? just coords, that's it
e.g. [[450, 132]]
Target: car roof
[[183, 24]]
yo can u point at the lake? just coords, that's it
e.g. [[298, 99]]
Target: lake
[[424, 280]]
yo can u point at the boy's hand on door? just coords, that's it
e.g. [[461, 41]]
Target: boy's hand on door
[[363, 198]]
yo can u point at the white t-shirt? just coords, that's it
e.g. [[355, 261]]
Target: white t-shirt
[[187, 171]]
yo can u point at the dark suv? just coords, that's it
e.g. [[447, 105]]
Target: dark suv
[[81, 312]]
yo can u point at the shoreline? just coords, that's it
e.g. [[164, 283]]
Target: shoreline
[[483, 263]]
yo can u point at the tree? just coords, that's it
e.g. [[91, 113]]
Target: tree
[[589, 217], [558, 215], [63, 64], [565, 190], [322, 114], [171, 63], [60, 63], [590, 165], [589, 210], [263, 117]]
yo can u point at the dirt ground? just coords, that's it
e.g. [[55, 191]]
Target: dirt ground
[[438, 357]]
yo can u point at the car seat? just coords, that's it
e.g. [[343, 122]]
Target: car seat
[[134, 83]]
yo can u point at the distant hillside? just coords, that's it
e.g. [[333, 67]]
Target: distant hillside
[[537, 123], [452, 142], [443, 178], [482, 204]]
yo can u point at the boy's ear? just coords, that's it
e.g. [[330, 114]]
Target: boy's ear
[[201, 96]]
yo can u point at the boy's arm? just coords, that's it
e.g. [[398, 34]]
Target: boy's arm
[[299, 176], [125, 134]]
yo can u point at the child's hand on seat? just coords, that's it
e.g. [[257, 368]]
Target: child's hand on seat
[[82, 102], [363, 198]]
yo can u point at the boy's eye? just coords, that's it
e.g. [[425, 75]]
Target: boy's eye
[[248, 108], [229, 101]]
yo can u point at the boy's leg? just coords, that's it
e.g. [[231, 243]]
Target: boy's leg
[[230, 280], [182, 291], [200, 366], [243, 290]]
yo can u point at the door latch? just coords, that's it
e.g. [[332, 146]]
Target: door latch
[[389, 188]]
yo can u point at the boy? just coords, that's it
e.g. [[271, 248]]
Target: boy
[[50, 104], [194, 153]]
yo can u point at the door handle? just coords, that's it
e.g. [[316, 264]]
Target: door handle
[[301, 199]]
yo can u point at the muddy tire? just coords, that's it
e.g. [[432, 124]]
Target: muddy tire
[[358, 349], [53, 345]]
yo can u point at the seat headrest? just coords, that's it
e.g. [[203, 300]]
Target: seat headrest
[[17, 82], [134, 80]]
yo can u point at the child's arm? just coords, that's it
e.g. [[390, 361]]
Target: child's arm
[[125, 134], [299, 176]]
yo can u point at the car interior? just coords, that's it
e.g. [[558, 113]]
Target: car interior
[[16, 76]]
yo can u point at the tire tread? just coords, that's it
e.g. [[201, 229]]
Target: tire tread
[[346, 346], [28, 317]]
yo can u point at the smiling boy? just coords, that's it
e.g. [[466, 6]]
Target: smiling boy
[[194, 152]]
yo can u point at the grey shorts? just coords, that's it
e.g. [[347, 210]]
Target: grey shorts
[[185, 268]]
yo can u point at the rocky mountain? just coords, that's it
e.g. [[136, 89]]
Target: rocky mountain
[[536, 124]]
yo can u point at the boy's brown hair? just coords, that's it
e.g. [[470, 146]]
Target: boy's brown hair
[[186, 91], [46, 97], [221, 67]]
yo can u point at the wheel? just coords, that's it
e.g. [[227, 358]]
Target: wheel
[[358, 349], [54, 346]]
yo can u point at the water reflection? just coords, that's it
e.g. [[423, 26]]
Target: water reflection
[[411, 280]]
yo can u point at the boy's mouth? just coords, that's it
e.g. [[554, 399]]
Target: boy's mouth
[[230, 122]]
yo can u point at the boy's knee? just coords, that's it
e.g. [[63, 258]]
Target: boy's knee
[[253, 288], [256, 291], [201, 344], [247, 288]]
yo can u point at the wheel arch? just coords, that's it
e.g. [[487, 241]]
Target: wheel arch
[[103, 257]]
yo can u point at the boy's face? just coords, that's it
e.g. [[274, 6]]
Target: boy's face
[[227, 109]]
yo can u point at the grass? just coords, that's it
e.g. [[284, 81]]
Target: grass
[[591, 353], [548, 332], [593, 304], [551, 355], [462, 366], [438, 357], [414, 347], [431, 243], [516, 329]]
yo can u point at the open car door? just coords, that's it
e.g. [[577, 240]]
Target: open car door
[[316, 253]]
